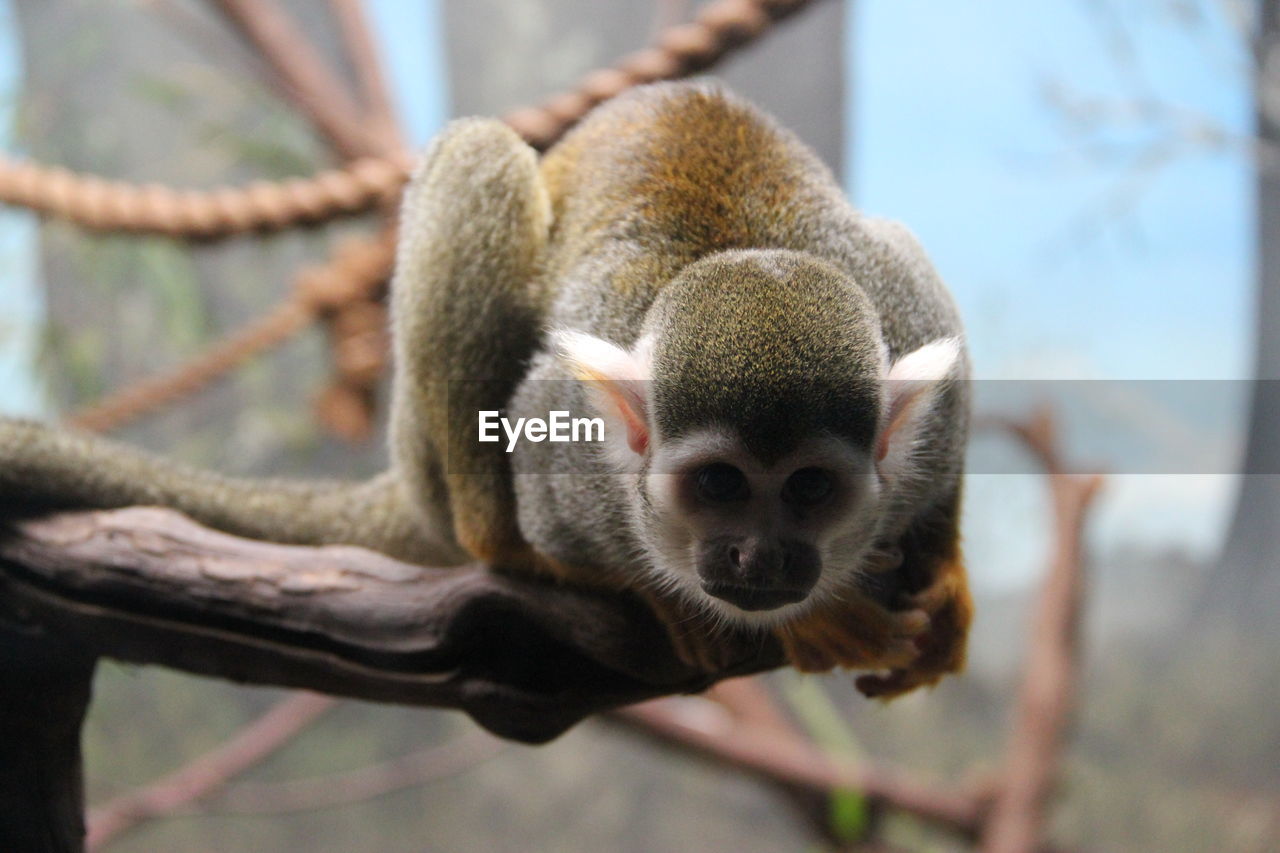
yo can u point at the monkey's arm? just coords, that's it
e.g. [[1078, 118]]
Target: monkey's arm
[[41, 466], [467, 316]]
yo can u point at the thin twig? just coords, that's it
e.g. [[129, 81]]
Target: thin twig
[[208, 773], [751, 703], [364, 783], [697, 726]]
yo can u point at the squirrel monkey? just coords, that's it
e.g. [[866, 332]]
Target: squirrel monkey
[[780, 381]]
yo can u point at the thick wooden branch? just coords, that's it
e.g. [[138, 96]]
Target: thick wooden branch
[[525, 659], [44, 692]]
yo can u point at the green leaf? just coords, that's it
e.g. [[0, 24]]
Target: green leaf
[[848, 815], [848, 811]]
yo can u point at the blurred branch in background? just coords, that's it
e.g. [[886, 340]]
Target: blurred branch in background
[[375, 95], [306, 79], [1047, 695], [1141, 133], [431, 764], [1136, 131], [784, 756], [206, 785], [210, 772]]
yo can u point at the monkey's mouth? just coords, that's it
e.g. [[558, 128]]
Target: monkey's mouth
[[755, 597]]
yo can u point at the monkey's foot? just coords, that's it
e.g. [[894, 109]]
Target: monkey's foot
[[854, 634]]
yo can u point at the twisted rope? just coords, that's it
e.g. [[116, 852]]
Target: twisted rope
[[357, 267], [719, 28], [98, 203]]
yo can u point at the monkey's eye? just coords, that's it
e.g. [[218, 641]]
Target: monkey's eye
[[808, 487], [720, 483]]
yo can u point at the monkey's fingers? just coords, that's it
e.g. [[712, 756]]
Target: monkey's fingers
[[888, 686], [855, 635], [941, 648]]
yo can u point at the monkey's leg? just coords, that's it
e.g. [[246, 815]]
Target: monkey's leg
[[466, 319], [42, 467]]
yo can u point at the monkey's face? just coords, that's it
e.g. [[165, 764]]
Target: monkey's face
[[763, 427], [757, 540]]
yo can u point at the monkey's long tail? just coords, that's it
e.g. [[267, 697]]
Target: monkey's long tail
[[41, 466]]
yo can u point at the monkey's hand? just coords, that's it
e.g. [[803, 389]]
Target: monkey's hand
[[916, 644], [941, 646], [855, 633]]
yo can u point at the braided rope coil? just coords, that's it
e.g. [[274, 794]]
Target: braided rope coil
[[117, 206], [354, 272], [719, 28], [94, 202]]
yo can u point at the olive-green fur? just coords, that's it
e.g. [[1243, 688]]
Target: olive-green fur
[[466, 309], [776, 346]]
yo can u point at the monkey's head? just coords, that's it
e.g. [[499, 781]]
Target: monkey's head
[[761, 429]]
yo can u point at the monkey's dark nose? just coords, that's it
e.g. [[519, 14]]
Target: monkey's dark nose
[[758, 574]]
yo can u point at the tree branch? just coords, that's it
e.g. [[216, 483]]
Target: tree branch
[[1047, 694], [44, 691], [362, 51], [360, 784], [762, 751], [525, 659]]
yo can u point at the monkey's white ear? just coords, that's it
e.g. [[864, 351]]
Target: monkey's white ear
[[618, 385], [911, 384]]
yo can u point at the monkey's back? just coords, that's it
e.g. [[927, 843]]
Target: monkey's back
[[667, 174]]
